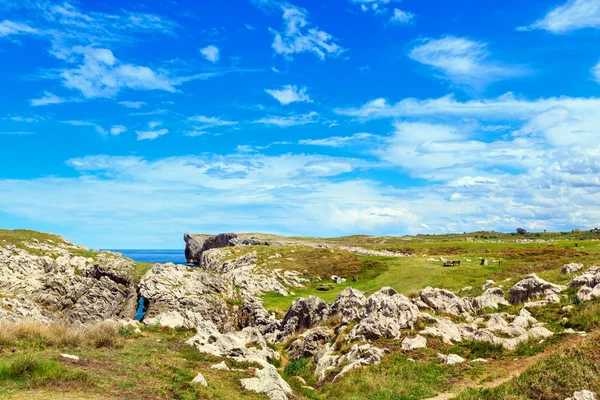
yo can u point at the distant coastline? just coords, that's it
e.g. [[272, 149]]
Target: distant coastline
[[176, 256]]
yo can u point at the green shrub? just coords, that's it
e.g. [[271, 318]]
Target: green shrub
[[296, 367]]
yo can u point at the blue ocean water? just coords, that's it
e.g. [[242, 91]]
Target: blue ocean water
[[158, 256]]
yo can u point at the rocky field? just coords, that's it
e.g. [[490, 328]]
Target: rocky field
[[471, 316]]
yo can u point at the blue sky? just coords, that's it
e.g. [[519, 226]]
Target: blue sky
[[124, 124]]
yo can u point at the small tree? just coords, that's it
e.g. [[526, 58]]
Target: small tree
[[521, 231]]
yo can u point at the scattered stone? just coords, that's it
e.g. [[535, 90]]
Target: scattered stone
[[269, 382], [221, 366], [570, 268], [451, 359], [583, 395], [418, 342], [300, 379], [199, 379], [70, 357]]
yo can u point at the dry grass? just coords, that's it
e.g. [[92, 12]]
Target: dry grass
[[37, 334]]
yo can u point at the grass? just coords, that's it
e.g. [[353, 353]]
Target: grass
[[32, 371], [572, 368]]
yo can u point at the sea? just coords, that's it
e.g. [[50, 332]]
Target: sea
[[155, 256]]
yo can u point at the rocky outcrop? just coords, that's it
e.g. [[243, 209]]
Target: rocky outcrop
[[303, 314], [588, 284], [349, 305], [309, 343], [532, 287], [386, 312], [502, 329], [418, 342], [69, 288], [448, 302], [358, 356], [179, 296], [195, 245]]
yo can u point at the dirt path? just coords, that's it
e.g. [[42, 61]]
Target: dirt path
[[516, 368]]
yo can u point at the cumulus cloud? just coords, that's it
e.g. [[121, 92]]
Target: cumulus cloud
[[211, 53], [289, 94], [151, 135], [401, 17], [570, 16], [299, 37], [100, 74], [462, 61], [117, 129], [287, 121]]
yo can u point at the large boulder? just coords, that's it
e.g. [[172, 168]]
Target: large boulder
[[533, 287], [448, 302], [570, 268], [583, 395], [303, 314], [309, 343], [349, 305], [195, 245]]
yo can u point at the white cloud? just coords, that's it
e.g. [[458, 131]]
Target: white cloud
[[47, 99], [117, 129], [102, 75], [211, 53], [402, 17], [154, 124], [133, 104], [570, 16], [289, 94], [151, 135], [299, 37], [15, 28], [207, 122], [376, 6], [75, 122], [462, 61], [337, 141], [596, 72], [195, 133], [292, 120]]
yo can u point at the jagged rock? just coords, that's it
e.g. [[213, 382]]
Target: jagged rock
[[269, 382], [386, 312], [590, 278], [303, 314], [195, 245], [68, 288], [418, 342], [587, 293], [182, 296], [446, 301], [253, 241], [570, 268], [17, 309], [254, 314], [532, 287], [199, 379], [356, 357], [583, 395], [349, 305], [309, 343]]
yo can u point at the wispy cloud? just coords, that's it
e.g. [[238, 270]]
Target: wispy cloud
[[462, 61], [208, 122], [8, 28], [299, 37], [132, 104], [151, 135], [47, 99], [292, 120], [338, 141], [376, 6], [289, 94], [117, 130], [571, 16], [596, 72], [211, 53]]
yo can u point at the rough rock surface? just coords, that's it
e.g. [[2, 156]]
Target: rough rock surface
[[386, 312], [200, 380], [570, 268], [532, 287], [418, 342], [309, 343], [179, 296], [502, 329], [349, 305], [588, 284], [64, 286], [303, 314], [446, 301], [358, 356], [195, 245]]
